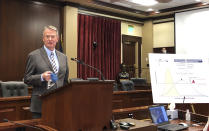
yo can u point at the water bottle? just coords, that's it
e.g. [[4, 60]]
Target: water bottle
[[188, 116]]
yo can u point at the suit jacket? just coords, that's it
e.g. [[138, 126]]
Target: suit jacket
[[37, 63]]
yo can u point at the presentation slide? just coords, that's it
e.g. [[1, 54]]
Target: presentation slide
[[192, 32], [178, 78]]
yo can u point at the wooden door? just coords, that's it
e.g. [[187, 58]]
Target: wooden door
[[129, 54]]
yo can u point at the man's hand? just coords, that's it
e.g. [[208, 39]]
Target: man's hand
[[47, 75]]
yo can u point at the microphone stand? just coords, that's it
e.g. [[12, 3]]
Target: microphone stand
[[82, 63], [184, 99]]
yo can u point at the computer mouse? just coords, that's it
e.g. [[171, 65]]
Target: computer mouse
[[131, 124], [124, 127], [183, 124], [123, 123]]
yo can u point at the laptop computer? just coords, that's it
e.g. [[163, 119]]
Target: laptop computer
[[160, 118]]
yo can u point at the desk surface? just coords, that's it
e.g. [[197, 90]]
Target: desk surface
[[192, 127], [146, 125], [139, 125]]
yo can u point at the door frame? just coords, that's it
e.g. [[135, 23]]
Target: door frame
[[134, 39]]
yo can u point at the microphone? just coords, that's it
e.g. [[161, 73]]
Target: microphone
[[81, 62], [78, 61], [184, 99], [6, 120]]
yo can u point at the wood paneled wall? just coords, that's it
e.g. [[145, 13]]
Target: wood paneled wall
[[21, 26]]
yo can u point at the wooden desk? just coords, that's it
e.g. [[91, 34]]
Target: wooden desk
[[147, 125], [10, 126], [124, 103], [194, 117], [134, 98], [200, 108], [190, 124], [134, 102], [140, 125], [13, 108], [142, 86]]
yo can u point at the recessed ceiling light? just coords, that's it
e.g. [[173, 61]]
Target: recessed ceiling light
[[163, 1], [122, 4], [205, 3], [145, 2], [157, 12], [150, 9], [198, 0]]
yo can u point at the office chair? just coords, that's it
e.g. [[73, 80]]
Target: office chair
[[0, 89], [92, 78], [14, 88], [76, 79], [127, 85], [139, 81], [115, 87]]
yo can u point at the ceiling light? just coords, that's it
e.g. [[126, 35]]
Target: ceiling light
[[150, 9], [122, 4], [157, 12], [163, 1], [205, 3], [145, 2], [198, 0]]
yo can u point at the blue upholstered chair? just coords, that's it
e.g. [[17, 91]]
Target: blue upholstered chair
[[139, 81], [92, 78], [76, 79], [127, 85], [115, 87], [14, 88], [0, 89]]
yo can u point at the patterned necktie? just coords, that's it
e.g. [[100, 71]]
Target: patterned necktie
[[54, 66]]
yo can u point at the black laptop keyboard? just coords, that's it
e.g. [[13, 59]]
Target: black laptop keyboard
[[172, 127]]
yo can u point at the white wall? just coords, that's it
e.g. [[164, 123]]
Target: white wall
[[70, 38], [163, 35], [147, 47]]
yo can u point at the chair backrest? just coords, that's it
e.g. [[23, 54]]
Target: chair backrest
[[76, 79], [115, 87], [0, 89], [138, 81], [14, 88], [127, 85], [92, 78]]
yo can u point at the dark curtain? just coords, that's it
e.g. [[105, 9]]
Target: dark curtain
[[99, 45]]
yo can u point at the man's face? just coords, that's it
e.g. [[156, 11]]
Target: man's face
[[50, 38]]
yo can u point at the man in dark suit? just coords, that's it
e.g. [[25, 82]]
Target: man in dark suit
[[43, 62]]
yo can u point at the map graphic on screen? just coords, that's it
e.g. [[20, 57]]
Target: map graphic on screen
[[179, 78]]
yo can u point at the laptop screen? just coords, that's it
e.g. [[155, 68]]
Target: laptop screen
[[158, 114]]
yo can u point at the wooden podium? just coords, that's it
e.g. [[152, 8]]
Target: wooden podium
[[79, 106]]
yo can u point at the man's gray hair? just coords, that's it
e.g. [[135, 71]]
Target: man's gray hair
[[51, 27]]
